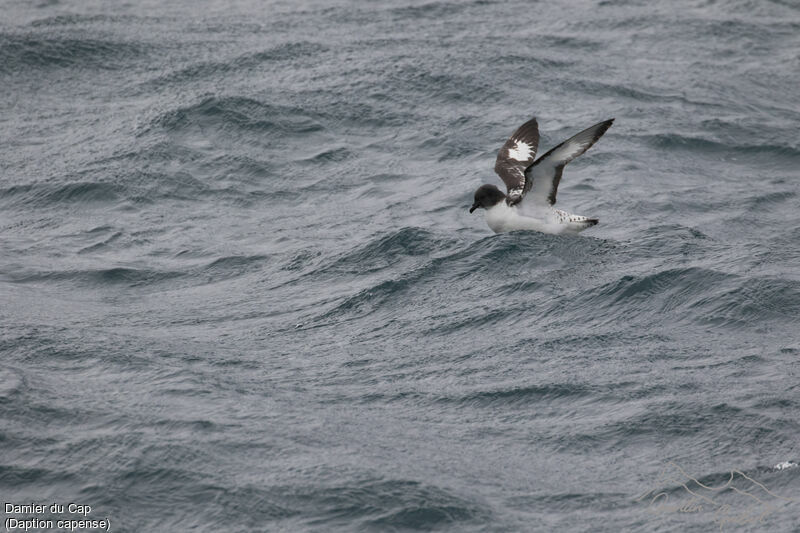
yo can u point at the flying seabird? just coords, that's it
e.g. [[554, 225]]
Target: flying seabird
[[532, 185]]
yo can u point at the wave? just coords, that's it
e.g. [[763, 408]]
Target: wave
[[769, 200], [137, 187], [752, 302], [674, 141], [166, 169], [507, 281], [80, 20], [671, 287], [19, 53], [522, 395], [239, 113], [384, 505], [429, 10], [385, 251], [454, 265], [219, 269], [691, 294], [616, 90], [232, 266], [531, 61], [49, 194], [293, 52], [439, 85], [13, 476], [100, 276], [102, 245]]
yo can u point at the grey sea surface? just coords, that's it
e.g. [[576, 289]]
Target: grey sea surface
[[240, 289]]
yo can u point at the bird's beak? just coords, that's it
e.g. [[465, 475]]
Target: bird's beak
[[474, 207]]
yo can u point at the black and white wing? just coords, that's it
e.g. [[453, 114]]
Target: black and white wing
[[514, 157], [543, 176]]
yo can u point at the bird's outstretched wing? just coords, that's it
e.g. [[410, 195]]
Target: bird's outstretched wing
[[514, 157], [543, 176]]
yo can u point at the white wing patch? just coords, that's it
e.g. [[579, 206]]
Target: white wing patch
[[514, 157], [520, 152]]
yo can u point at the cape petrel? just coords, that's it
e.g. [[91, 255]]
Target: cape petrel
[[532, 185]]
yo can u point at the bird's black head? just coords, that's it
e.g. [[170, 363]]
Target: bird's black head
[[487, 196]]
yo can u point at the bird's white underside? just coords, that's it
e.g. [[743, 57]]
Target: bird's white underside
[[502, 218]]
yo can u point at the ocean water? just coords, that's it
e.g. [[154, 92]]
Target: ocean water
[[240, 289]]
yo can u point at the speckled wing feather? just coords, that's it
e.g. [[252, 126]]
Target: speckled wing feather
[[543, 176], [514, 157]]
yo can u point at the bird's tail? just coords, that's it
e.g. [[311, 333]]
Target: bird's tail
[[579, 223]]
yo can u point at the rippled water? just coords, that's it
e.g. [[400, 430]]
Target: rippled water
[[240, 289]]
